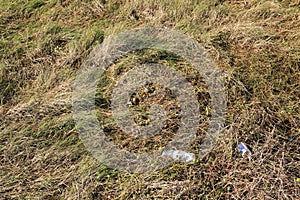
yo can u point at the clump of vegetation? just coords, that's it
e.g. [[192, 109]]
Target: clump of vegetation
[[255, 43]]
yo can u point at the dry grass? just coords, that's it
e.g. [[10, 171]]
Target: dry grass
[[42, 45]]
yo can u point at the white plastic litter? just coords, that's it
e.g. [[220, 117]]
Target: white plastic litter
[[244, 150], [179, 155]]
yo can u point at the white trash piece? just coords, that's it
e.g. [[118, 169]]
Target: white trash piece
[[244, 150], [179, 155]]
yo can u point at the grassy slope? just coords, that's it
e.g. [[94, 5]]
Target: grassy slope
[[42, 45]]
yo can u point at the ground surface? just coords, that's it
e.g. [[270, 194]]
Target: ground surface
[[43, 44]]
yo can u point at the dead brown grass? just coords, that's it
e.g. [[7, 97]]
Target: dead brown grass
[[42, 45]]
